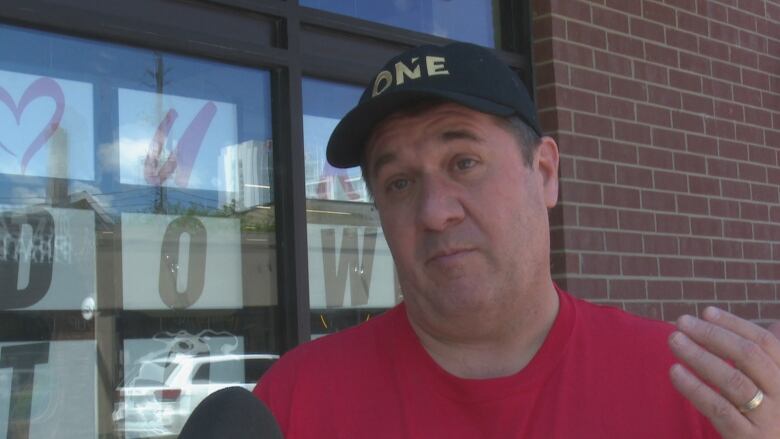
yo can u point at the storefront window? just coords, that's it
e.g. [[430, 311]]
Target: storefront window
[[137, 238], [463, 20], [351, 271]]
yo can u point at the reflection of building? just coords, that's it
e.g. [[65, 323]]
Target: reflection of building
[[325, 182], [244, 173], [57, 189]]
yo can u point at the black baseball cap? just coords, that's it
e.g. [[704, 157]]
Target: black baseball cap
[[464, 73]]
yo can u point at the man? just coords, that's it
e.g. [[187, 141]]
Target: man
[[484, 344]]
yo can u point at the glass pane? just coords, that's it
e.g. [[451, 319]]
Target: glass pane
[[136, 235], [351, 272], [462, 20]]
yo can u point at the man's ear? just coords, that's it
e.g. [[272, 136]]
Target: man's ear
[[547, 160]]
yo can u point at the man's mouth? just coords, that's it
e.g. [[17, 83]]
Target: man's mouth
[[449, 254]]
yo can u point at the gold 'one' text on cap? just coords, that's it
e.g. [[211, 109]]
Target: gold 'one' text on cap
[[434, 65]]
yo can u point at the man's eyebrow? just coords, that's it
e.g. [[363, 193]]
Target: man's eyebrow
[[446, 136], [459, 134], [381, 161]]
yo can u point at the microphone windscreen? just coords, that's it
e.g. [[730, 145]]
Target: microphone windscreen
[[232, 412]]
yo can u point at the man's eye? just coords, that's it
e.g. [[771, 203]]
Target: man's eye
[[398, 184], [465, 163]]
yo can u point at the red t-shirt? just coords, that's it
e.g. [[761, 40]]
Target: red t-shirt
[[601, 373]]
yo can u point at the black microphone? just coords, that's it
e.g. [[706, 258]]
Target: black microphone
[[232, 412]]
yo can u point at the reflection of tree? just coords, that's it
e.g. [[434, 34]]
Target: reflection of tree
[[259, 219], [158, 74]]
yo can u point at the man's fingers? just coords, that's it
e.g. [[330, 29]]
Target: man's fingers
[[765, 339], [730, 360], [738, 341], [735, 386], [722, 413]]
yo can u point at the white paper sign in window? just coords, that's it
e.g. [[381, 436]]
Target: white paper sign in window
[[350, 267], [173, 141], [47, 258], [46, 127], [180, 262], [48, 389]]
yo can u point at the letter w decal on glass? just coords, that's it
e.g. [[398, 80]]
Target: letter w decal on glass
[[352, 263]]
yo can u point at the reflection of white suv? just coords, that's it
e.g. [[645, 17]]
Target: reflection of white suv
[[157, 400]]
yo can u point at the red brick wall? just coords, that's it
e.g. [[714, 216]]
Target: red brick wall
[[667, 115]]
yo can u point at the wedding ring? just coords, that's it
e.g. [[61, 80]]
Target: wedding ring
[[753, 403]]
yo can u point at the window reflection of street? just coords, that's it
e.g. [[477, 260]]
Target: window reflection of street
[[162, 388]]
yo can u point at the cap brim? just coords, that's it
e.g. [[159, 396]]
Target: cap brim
[[345, 147]]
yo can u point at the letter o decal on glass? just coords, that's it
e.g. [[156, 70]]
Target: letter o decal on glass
[[169, 262]]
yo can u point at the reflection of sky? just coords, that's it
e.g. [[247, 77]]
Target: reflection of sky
[[108, 68], [463, 20]]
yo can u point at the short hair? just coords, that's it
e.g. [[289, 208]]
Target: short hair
[[526, 137]]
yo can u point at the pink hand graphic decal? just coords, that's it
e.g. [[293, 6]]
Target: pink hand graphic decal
[[182, 158]]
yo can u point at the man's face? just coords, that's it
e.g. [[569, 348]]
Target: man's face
[[465, 217]]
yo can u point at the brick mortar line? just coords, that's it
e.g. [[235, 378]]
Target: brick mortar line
[[697, 13], [679, 256], [544, 63], [668, 279], [675, 27], [666, 191], [548, 14], [668, 234], [682, 110], [726, 5], [669, 128], [664, 44], [657, 212], [665, 234], [662, 148], [575, 43], [659, 148], [710, 259], [669, 87], [770, 92], [608, 277]]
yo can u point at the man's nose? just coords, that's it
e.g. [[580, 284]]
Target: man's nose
[[439, 204]]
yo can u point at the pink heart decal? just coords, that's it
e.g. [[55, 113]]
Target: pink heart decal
[[183, 157], [40, 88]]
